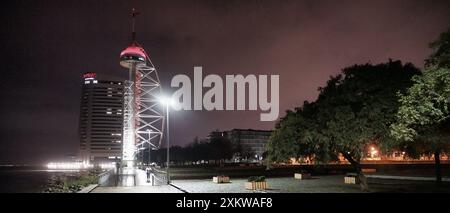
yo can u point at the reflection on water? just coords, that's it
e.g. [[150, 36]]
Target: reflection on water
[[26, 179]]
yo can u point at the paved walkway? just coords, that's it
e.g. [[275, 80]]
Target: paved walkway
[[322, 184], [318, 184], [393, 177], [135, 181], [137, 189]]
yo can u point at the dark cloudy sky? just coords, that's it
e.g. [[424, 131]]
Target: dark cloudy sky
[[47, 45]]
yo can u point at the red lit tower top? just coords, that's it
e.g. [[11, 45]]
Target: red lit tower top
[[133, 53]]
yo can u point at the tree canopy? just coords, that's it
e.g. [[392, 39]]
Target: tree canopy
[[353, 111], [216, 148], [441, 52], [424, 112], [423, 124]]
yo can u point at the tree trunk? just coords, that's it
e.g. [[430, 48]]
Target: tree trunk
[[437, 163], [268, 164], [357, 166]]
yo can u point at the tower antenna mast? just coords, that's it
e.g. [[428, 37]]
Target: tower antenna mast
[[134, 13]]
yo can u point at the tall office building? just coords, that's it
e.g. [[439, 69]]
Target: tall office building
[[101, 118]]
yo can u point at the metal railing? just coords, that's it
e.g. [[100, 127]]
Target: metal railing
[[104, 179]]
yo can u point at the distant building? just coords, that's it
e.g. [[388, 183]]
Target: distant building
[[101, 118], [250, 143]]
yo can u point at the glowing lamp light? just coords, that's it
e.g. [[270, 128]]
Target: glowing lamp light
[[167, 101], [373, 152]]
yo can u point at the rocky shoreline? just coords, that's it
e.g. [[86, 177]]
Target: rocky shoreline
[[71, 182]]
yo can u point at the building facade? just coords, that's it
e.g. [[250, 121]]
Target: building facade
[[251, 144], [101, 119]]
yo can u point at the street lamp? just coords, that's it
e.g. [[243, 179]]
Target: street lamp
[[140, 153], [149, 146], [373, 152], [166, 101]]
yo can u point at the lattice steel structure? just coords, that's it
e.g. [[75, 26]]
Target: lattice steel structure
[[143, 116]]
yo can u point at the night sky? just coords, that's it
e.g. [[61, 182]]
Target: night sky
[[47, 45]]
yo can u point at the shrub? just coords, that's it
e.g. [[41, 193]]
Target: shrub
[[256, 179]]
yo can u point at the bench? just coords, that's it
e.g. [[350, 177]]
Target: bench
[[351, 178], [221, 179], [302, 176], [260, 185]]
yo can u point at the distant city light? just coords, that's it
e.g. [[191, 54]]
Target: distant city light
[[78, 165], [110, 165], [69, 165]]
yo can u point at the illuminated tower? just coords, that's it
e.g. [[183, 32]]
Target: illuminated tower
[[143, 117]]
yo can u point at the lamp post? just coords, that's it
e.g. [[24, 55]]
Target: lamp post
[[168, 143], [167, 102], [149, 147], [140, 155]]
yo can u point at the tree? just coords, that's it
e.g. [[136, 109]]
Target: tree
[[286, 140], [422, 125], [220, 148], [441, 52], [353, 112], [423, 117], [217, 148]]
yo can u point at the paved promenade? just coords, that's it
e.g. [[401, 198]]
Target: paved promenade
[[322, 184], [137, 189], [318, 184], [396, 177]]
